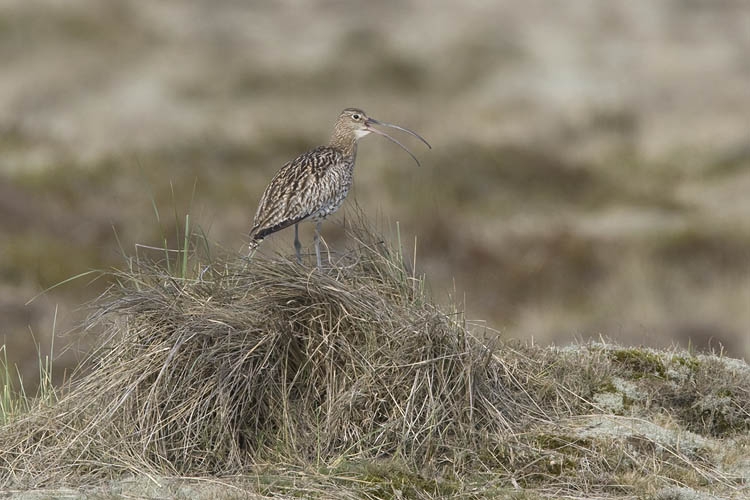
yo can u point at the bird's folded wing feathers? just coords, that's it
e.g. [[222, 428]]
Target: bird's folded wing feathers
[[294, 194]]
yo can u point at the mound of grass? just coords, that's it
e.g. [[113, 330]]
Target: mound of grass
[[269, 360], [349, 382]]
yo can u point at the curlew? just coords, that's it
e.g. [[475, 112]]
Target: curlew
[[315, 184]]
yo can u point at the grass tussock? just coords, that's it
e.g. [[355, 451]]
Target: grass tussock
[[270, 360], [352, 378]]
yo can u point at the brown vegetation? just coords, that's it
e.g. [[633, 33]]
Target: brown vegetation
[[353, 378]]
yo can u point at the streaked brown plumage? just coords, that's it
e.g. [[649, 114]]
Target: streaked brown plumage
[[315, 184]]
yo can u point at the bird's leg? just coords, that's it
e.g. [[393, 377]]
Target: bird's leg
[[328, 251], [317, 243], [297, 244]]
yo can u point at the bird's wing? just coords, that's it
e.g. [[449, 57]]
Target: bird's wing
[[294, 192]]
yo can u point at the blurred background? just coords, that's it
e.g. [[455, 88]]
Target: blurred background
[[590, 172]]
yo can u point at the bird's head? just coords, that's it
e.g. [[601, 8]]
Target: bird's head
[[353, 124]]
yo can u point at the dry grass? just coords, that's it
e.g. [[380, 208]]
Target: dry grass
[[269, 360], [351, 380]]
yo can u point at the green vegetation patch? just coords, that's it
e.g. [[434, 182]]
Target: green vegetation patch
[[710, 395], [639, 362]]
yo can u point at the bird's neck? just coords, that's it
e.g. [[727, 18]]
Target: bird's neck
[[346, 145]]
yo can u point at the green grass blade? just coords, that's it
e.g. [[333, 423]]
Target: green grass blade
[[63, 282], [185, 246]]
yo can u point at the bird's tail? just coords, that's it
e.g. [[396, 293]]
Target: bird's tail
[[256, 236], [253, 246]]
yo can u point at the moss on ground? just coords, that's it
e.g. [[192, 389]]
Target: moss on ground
[[639, 362]]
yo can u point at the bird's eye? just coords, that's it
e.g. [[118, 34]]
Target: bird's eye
[[356, 116]]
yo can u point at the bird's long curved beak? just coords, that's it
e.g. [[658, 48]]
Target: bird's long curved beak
[[372, 121]]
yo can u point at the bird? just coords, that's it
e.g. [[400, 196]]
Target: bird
[[315, 184]]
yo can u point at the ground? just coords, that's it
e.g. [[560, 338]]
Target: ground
[[266, 377]]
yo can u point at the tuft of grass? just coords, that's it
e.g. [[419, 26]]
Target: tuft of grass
[[15, 401], [7, 397], [250, 362]]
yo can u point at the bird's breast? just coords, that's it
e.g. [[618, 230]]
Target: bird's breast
[[334, 186]]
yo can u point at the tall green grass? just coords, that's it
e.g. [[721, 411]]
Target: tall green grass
[[15, 399]]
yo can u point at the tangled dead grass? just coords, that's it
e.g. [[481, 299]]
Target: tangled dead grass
[[268, 360], [250, 364]]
